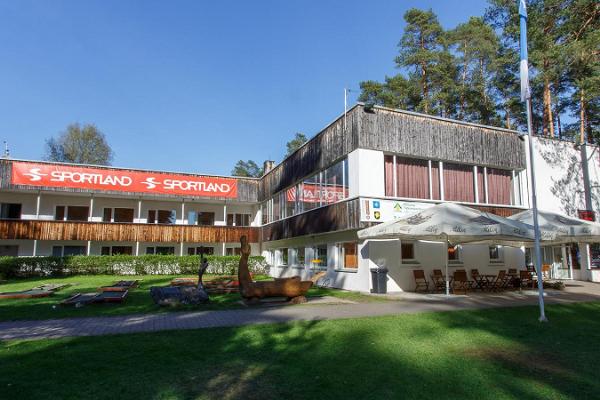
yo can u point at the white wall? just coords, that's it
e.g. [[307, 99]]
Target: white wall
[[366, 173], [559, 176], [28, 203]]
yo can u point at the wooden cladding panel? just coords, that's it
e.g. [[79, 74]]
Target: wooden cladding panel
[[60, 230], [336, 217], [433, 138]]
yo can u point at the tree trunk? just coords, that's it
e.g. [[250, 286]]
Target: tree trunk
[[507, 118]]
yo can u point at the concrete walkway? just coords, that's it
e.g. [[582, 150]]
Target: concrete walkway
[[409, 303]]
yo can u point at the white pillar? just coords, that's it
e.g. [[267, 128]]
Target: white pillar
[[137, 248], [430, 179], [441, 171], [89, 247], [35, 244], [225, 214], [485, 184], [139, 211], [181, 248], [395, 175], [37, 205], [586, 261], [91, 209], [476, 184]]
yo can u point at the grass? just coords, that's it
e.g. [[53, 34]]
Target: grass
[[490, 354], [138, 300]]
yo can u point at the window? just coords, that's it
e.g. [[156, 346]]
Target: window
[[65, 251], [117, 215], [115, 250], [164, 250], [347, 256], [333, 188], [407, 251], [201, 218], [10, 211], [459, 183], [72, 213], [319, 260], [283, 256], [202, 250], [310, 195], [162, 216], [495, 254], [233, 251], [298, 257], [238, 219], [454, 254], [9, 250], [499, 186]]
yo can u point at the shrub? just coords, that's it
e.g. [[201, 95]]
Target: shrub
[[12, 267]]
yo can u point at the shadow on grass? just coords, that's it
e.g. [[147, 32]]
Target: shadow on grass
[[499, 353]]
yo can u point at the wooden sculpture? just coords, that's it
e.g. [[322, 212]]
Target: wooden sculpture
[[292, 288]]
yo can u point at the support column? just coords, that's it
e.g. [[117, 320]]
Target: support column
[[139, 211], [485, 184], [89, 247], [38, 205], [476, 183], [35, 244], [91, 214], [137, 248], [586, 261], [429, 171], [441, 169]]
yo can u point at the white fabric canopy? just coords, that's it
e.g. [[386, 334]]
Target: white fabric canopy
[[454, 224], [557, 228]]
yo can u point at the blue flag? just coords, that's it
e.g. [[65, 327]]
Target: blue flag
[[524, 69]]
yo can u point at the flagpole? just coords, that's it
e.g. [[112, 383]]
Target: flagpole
[[526, 96]]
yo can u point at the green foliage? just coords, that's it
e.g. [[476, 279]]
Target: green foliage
[[247, 169], [297, 142], [81, 145], [11, 267]]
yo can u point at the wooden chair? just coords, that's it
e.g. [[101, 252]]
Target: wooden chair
[[525, 279], [421, 283], [460, 283], [479, 281], [501, 282], [513, 274], [439, 282], [546, 271]]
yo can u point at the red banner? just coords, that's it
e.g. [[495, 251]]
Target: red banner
[[53, 175]]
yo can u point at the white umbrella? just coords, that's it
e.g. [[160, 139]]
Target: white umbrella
[[453, 224], [558, 229]]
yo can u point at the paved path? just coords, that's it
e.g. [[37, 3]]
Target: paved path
[[410, 303]]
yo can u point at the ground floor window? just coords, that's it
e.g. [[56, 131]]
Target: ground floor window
[[233, 251], [283, 257], [595, 255], [348, 255], [407, 251], [454, 254], [9, 251], [116, 250], [297, 258], [65, 251], [163, 250], [319, 256], [495, 253], [202, 250]]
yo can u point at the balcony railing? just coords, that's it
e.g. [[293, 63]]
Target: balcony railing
[[123, 232]]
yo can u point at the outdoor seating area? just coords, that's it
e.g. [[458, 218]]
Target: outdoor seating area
[[461, 282]]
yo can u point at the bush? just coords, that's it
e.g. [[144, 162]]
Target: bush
[[21, 267]]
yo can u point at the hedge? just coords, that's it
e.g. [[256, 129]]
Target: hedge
[[22, 267]]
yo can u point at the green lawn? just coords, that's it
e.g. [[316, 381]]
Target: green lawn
[[138, 301], [491, 354]]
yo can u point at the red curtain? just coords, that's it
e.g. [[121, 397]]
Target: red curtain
[[412, 178], [458, 183], [389, 175], [499, 186]]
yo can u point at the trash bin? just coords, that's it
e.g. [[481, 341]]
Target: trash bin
[[379, 277]]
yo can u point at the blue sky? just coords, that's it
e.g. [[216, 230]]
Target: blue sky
[[192, 85]]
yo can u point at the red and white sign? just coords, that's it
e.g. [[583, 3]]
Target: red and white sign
[[312, 193], [52, 175]]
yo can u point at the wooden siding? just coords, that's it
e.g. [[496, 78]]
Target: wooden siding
[[247, 189], [331, 144], [426, 137], [336, 217], [98, 231], [399, 132]]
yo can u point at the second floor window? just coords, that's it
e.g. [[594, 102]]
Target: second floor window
[[238, 219], [201, 218], [162, 216], [117, 215], [71, 213], [10, 211]]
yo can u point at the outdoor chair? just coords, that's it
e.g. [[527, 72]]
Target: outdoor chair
[[501, 282], [545, 271], [525, 279], [513, 275], [460, 283], [439, 282], [479, 281], [421, 283]]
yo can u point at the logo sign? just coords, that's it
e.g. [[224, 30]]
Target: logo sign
[[586, 215], [389, 210], [312, 193], [52, 175]]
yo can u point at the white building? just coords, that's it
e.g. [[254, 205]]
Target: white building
[[368, 166]]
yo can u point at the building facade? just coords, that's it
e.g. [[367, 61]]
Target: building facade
[[368, 166]]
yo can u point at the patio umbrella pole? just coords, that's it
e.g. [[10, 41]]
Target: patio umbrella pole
[[447, 279]]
